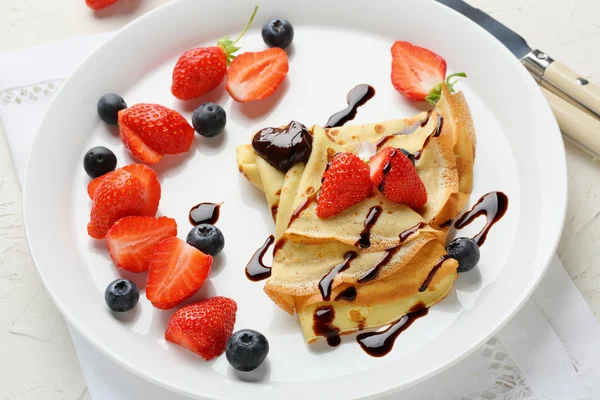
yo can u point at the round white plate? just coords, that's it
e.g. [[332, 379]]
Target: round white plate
[[338, 44]]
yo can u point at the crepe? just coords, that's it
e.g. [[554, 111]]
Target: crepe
[[405, 264]]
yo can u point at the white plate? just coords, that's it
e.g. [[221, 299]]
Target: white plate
[[338, 44]]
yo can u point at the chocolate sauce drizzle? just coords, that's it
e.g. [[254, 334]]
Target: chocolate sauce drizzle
[[323, 325], [301, 207], [284, 147], [326, 283], [432, 273], [256, 270], [348, 294], [446, 224], [365, 236], [204, 213], [378, 344], [356, 98], [493, 205]]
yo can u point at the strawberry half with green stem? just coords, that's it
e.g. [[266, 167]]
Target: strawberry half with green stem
[[419, 73], [200, 70], [396, 178], [203, 328], [346, 182]]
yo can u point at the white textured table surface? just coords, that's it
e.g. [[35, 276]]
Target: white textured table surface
[[37, 360]]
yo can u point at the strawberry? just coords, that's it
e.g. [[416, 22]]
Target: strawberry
[[131, 241], [345, 182], [396, 177], [177, 271], [163, 130], [119, 194], [95, 183], [99, 4], [138, 149], [200, 70], [419, 73], [203, 328], [152, 191], [254, 76]]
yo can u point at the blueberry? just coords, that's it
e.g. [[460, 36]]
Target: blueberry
[[278, 33], [121, 295], [246, 349], [465, 251], [99, 161], [209, 119], [410, 156], [206, 238], [109, 106]]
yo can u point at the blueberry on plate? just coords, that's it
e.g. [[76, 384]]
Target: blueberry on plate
[[410, 156], [465, 251], [278, 33], [109, 106], [246, 350], [99, 161], [121, 295], [209, 119], [207, 238]]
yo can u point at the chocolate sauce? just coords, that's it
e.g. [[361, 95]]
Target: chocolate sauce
[[437, 132], [278, 245], [284, 147], [378, 344], [356, 98], [348, 294], [204, 213], [432, 273], [446, 224], [256, 270], [386, 169], [323, 325], [301, 207], [326, 283], [365, 236], [493, 205], [440, 124], [374, 271]]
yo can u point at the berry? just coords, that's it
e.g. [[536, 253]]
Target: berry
[[109, 106], [163, 130], [121, 295], [255, 76], [177, 271], [206, 238], [152, 190], [131, 241], [119, 195], [465, 251], [396, 177], [209, 119], [246, 350], [99, 4], [204, 327], [278, 33], [134, 144], [200, 70], [99, 161], [346, 182]]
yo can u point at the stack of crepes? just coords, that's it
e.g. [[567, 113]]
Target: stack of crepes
[[405, 267]]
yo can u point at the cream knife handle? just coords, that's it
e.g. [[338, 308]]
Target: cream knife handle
[[577, 126]]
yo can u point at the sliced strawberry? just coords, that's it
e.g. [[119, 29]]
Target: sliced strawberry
[[131, 241], [152, 190], [346, 182], [254, 76], [396, 177], [177, 271], [99, 4], [203, 328], [415, 70], [119, 195], [138, 149], [160, 128]]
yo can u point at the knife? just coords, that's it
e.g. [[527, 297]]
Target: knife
[[552, 75]]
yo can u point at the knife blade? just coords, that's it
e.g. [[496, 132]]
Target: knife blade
[[550, 74]]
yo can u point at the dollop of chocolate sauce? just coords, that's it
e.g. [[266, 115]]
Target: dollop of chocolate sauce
[[493, 205], [356, 98], [323, 325], [348, 294], [204, 213], [284, 147], [256, 270]]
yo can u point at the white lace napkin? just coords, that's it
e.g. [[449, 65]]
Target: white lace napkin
[[550, 350]]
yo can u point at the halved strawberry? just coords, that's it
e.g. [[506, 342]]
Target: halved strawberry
[[152, 190], [177, 271], [203, 328], [95, 183], [138, 149], [346, 182], [119, 195], [254, 76], [131, 241], [396, 177]]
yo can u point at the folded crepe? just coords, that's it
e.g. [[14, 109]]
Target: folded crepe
[[325, 262]]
